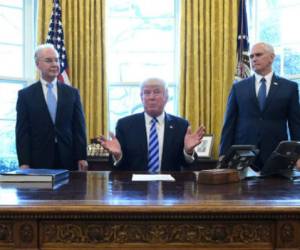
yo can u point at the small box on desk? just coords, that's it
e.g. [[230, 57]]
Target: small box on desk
[[218, 176]]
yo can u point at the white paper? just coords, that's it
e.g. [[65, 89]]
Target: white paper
[[152, 177]]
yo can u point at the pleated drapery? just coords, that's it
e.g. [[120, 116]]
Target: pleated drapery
[[208, 58]]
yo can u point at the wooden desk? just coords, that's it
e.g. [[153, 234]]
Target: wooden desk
[[103, 210], [102, 164]]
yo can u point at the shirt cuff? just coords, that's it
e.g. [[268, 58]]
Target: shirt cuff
[[116, 162], [189, 158]]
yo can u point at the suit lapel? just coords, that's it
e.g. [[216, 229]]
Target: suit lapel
[[59, 100], [275, 83], [141, 130], [168, 138], [253, 93], [40, 99]]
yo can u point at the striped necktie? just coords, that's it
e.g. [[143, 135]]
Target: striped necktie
[[153, 148], [51, 101], [262, 94]]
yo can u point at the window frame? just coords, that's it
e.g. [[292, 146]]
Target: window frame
[[29, 26], [176, 74]]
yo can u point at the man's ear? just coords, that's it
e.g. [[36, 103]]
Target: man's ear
[[166, 95], [141, 96], [272, 57]]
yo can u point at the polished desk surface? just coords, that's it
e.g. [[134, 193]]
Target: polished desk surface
[[114, 191], [101, 210], [101, 163]]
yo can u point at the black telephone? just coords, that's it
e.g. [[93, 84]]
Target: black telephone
[[283, 159], [239, 157]]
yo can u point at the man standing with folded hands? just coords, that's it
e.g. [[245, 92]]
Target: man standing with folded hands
[[263, 109]]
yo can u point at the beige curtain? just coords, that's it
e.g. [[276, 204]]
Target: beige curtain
[[208, 59], [83, 23]]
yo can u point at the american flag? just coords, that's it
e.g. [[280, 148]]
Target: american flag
[[56, 37], [243, 65]]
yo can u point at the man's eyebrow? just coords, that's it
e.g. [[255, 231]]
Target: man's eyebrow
[[256, 54]]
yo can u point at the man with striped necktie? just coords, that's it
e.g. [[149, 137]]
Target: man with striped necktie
[[154, 140]]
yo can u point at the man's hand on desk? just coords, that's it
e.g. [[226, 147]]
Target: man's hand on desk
[[298, 165], [112, 145], [83, 165], [24, 166], [191, 140]]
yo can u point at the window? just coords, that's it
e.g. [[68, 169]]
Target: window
[[16, 69], [276, 22], [142, 42]]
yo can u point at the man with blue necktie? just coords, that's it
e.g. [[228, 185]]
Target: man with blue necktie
[[263, 109], [50, 127], [154, 140]]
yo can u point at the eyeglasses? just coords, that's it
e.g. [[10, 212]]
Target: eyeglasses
[[49, 60]]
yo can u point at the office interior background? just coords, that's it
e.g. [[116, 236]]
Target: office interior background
[[113, 45]]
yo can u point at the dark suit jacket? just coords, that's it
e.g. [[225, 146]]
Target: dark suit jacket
[[245, 123], [131, 133], [36, 133]]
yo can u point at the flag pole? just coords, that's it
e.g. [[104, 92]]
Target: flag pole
[[56, 37]]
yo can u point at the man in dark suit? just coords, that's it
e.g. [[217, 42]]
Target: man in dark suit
[[50, 127], [130, 147], [261, 116]]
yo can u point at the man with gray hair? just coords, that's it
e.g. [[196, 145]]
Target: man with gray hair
[[50, 127], [262, 109], [152, 141]]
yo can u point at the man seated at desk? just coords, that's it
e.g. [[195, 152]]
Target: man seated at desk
[[152, 141]]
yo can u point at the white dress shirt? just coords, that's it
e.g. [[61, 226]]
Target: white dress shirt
[[160, 128], [268, 79]]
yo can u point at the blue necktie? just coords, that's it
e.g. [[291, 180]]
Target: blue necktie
[[153, 148], [262, 94], [51, 101]]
